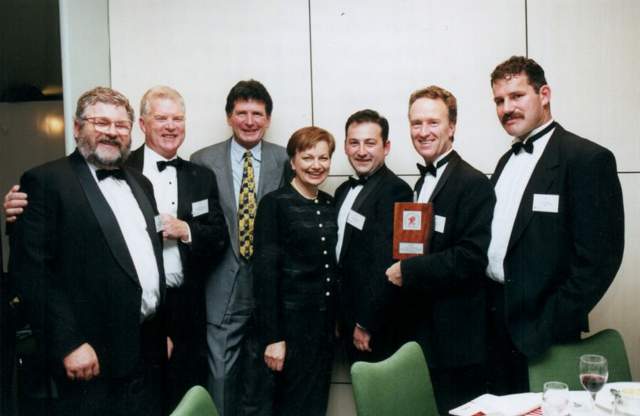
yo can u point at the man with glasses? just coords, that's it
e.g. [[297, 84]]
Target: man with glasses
[[86, 258], [228, 286]]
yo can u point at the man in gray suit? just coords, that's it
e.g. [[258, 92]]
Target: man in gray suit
[[242, 164]]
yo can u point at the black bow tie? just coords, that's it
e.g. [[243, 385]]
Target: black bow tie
[[353, 182], [431, 169], [427, 170], [162, 164], [527, 145], [114, 173]]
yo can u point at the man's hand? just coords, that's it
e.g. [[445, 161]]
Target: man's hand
[[14, 203], [169, 348], [361, 339], [394, 274], [274, 355], [173, 228], [82, 363]]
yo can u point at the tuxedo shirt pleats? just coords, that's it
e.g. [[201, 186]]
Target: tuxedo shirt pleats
[[134, 230], [509, 191], [165, 189]]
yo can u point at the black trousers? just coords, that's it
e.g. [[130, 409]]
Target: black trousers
[[188, 364], [508, 368], [140, 393], [456, 386], [302, 387]]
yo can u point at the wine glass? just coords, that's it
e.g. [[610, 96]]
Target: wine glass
[[593, 374], [555, 398]]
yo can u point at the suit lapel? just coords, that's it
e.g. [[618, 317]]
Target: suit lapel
[[227, 190], [541, 180], [185, 191], [451, 166], [149, 212], [367, 190], [499, 167], [417, 188], [104, 215], [341, 194], [136, 159], [269, 171]]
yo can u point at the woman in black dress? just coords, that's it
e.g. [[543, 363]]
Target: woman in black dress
[[294, 279]]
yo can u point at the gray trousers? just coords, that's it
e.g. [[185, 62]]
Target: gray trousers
[[225, 342]]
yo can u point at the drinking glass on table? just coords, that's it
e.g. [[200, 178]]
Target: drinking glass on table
[[593, 374], [555, 398]]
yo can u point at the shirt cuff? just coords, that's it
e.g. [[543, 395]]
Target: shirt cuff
[[188, 240]]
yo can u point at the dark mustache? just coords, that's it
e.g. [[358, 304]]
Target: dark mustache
[[509, 116]]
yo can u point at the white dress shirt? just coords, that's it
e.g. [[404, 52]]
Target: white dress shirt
[[134, 230], [345, 208], [509, 190], [165, 189], [430, 182]]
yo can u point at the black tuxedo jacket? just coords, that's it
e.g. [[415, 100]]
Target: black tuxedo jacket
[[209, 236], [73, 270], [445, 289], [366, 254], [559, 264]]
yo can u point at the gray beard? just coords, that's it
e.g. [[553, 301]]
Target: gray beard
[[98, 161]]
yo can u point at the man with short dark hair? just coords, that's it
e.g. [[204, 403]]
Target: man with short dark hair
[[246, 168], [444, 288], [365, 205], [557, 231], [86, 259]]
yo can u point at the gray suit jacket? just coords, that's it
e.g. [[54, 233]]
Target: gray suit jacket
[[228, 273]]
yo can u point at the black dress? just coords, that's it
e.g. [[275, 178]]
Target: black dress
[[294, 288]]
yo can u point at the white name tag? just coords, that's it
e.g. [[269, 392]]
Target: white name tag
[[439, 223], [546, 202], [158, 221], [355, 219], [411, 248], [200, 207]]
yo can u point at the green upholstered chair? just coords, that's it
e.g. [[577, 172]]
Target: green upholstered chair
[[397, 386], [196, 402], [560, 362]]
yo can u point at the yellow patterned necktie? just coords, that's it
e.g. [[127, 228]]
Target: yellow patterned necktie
[[246, 207]]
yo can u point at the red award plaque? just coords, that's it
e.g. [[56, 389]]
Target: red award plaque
[[411, 229]]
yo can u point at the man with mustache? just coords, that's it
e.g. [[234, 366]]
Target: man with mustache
[[244, 161], [364, 250], [86, 259], [557, 234], [444, 289]]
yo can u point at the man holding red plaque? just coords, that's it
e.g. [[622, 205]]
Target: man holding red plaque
[[365, 233], [444, 290]]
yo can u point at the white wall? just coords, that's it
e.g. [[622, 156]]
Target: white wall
[[84, 38], [323, 60]]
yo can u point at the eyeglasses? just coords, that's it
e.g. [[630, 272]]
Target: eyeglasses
[[103, 124]]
